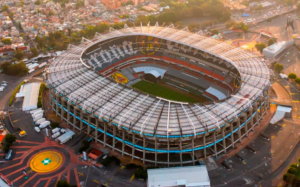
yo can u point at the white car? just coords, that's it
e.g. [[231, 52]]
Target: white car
[[37, 129]]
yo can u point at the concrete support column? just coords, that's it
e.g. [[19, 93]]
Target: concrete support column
[[239, 131], [114, 139], [261, 111], [168, 151], [133, 148], [223, 136], [51, 99], [193, 147], [256, 114], [96, 129], [56, 108], [68, 114], [144, 152], [204, 145], [123, 144], [74, 118], [62, 108], [180, 148], [215, 145], [246, 124], [104, 135], [81, 118], [251, 121], [89, 122], [155, 151], [231, 130]]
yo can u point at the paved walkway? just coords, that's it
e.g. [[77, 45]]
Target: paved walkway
[[252, 135], [283, 96]]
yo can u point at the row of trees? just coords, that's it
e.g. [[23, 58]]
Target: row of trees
[[194, 8], [292, 174], [293, 77], [260, 46], [17, 69], [59, 40]]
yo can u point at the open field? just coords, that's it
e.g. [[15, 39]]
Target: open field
[[164, 92]]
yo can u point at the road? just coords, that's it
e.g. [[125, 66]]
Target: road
[[13, 82]]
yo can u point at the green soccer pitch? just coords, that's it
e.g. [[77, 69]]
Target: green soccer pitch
[[164, 92]]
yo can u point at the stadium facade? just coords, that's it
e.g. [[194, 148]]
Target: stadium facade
[[90, 89]]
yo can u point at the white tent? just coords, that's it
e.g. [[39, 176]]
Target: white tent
[[30, 92], [179, 176]]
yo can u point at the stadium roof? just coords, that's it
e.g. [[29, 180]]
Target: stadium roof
[[126, 108]]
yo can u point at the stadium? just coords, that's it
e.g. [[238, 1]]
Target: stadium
[[159, 94]]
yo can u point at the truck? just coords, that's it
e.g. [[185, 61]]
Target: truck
[[66, 137], [42, 64], [55, 130], [33, 111], [38, 112], [44, 124], [57, 134], [4, 182], [37, 117], [38, 122]]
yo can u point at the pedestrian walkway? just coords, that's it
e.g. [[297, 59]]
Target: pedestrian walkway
[[257, 130], [283, 96]]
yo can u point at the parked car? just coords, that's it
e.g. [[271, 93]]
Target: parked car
[[8, 155], [22, 133]]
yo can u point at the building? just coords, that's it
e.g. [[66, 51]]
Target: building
[[275, 49], [90, 89], [193, 176], [30, 93]]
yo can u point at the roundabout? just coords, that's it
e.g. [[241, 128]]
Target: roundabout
[[46, 161]]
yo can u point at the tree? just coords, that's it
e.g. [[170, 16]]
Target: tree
[[292, 76], [14, 69], [229, 24], [129, 2], [4, 8], [6, 41], [278, 67], [193, 26], [259, 8], [34, 52], [163, 4], [38, 2], [297, 80], [260, 46], [63, 4], [292, 171], [79, 4], [18, 54], [271, 41], [214, 31], [10, 138], [11, 14], [6, 147], [244, 28], [4, 66], [63, 184]]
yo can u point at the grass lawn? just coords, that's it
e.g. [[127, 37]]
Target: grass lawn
[[164, 92]]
